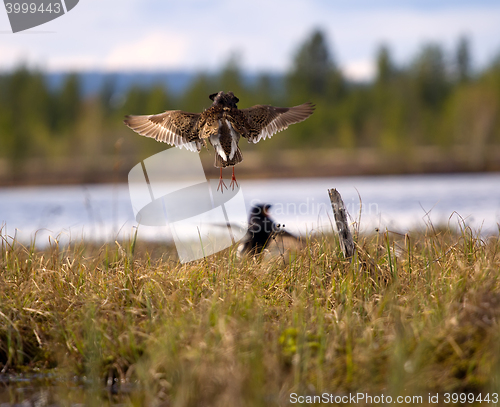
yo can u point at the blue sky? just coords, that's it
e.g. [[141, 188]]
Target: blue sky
[[201, 35]]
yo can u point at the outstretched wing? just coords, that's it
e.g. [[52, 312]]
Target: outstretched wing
[[174, 127], [265, 121]]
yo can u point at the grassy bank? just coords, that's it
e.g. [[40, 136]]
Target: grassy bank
[[411, 315]]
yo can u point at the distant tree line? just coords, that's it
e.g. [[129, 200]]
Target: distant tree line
[[435, 100]]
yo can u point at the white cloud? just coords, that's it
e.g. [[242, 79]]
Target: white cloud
[[11, 55], [157, 50], [360, 71], [147, 34], [357, 35]]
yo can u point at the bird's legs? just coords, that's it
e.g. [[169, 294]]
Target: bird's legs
[[233, 181], [221, 182]]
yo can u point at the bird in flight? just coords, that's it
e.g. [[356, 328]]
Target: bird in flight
[[222, 124]]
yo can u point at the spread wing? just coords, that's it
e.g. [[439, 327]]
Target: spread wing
[[174, 127], [265, 121]]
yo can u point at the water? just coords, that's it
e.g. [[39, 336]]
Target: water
[[398, 203]]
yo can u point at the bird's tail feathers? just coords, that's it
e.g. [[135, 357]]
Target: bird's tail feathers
[[221, 163], [238, 157]]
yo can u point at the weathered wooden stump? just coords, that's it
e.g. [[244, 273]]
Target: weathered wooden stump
[[340, 213]]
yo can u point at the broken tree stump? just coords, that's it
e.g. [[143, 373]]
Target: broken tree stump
[[340, 213]]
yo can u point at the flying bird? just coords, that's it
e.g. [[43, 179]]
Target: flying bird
[[261, 231], [222, 124]]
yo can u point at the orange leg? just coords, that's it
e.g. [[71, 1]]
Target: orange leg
[[233, 181], [222, 185]]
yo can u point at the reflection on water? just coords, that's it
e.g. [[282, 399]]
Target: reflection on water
[[44, 390], [104, 212]]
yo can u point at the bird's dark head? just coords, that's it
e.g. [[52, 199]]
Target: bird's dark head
[[218, 98], [224, 99], [260, 211], [260, 220], [231, 100]]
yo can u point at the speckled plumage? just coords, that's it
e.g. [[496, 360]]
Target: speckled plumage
[[222, 124]]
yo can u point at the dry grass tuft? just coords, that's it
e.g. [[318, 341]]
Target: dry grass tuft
[[412, 314]]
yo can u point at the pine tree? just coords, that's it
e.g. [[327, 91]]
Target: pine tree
[[463, 60], [385, 67], [429, 74], [314, 73]]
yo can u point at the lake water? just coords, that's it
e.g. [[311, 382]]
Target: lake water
[[398, 203]]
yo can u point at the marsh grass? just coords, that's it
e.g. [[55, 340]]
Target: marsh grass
[[412, 314]]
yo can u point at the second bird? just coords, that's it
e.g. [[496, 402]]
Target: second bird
[[222, 124]]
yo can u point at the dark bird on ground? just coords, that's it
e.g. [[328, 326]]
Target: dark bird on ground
[[222, 124], [262, 230]]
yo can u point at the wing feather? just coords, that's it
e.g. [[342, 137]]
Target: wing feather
[[265, 121], [173, 127]]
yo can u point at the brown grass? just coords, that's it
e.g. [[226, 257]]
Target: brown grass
[[411, 315]]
